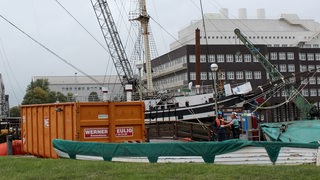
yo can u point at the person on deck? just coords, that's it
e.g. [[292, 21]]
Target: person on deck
[[234, 124], [220, 127]]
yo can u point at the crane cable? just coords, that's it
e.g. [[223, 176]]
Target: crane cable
[[290, 98], [101, 45], [49, 50]]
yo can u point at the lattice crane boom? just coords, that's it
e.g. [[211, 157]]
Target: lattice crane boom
[[113, 41]]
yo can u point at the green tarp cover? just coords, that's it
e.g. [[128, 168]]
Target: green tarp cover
[[304, 131], [208, 150]]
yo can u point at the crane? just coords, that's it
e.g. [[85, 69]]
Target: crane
[[113, 41], [115, 47], [308, 110]]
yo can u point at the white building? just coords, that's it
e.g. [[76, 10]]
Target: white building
[[287, 31], [82, 86]]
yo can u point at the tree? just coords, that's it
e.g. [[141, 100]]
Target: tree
[[71, 97], [57, 97], [15, 111], [38, 92], [93, 96]]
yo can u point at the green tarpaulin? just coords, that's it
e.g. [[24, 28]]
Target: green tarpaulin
[[208, 150], [306, 131]]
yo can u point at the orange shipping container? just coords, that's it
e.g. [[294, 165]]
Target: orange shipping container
[[81, 121]]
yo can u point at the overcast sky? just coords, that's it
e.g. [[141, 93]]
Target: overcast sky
[[48, 23]]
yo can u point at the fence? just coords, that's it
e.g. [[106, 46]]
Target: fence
[[179, 129]]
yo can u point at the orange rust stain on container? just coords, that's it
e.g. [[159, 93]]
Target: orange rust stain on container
[[81, 121]]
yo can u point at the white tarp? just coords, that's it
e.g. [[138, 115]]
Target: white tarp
[[242, 89], [227, 90]]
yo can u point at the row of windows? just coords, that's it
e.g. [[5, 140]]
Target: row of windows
[[309, 56], [311, 45], [304, 92], [290, 56], [180, 60], [249, 37], [221, 58], [170, 80], [281, 56], [311, 80], [229, 75], [249, 58], [80, 88], [310, 67]]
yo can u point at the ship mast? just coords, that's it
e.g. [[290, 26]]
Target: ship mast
[[144, 20]]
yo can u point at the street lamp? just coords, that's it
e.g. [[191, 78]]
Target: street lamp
[[214, 69]]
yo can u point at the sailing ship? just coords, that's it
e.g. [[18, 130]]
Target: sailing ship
[[159, 106], [196, 106]]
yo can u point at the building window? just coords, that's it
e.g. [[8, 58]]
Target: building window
[[310, 56], [220, 58], [267, 75], [203, 59], [291, 68], [221, 75], [239, 75], [302, 56], [304, 80], [312, 80], [257, 75], [184, 59], [238, 58], [318, 68], [303, 68], [192, 58], [210, 75], [305, 92], [203, 76], [273, 55], [247, 58], [290, 55], [318, 81], [230, 75], [255, 59], [311, 67], [313, 92], [284, 94], [282, 56], [317, 56], [292, 80], [248, 75], [211, 58], [229, 58], [192, 76], [283, 68]]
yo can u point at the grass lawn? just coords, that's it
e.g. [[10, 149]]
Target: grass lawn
[[14, 167]]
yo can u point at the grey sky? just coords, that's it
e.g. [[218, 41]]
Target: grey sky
[[47, 22]]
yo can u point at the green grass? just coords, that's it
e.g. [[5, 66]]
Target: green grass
[[13, 167]]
